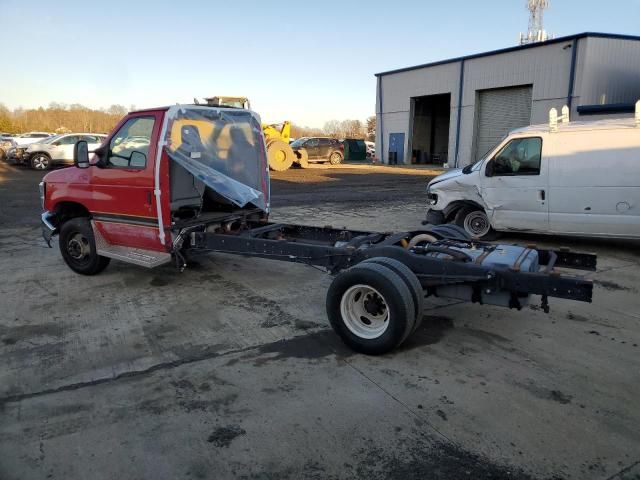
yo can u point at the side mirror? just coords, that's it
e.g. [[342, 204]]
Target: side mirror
[[56, 144], [490, 170], [81, 154], [138, 159]]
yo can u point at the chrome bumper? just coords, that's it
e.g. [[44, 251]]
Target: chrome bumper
[[48, 228]]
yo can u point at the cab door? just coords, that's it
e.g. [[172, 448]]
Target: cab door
[[124, 208], [514, 186]]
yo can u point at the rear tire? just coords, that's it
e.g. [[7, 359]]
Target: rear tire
[[475, 222], [303, 158], [40, 161], [78, 247], [280, 155], [335, 158], [370, 308], [411, 281]]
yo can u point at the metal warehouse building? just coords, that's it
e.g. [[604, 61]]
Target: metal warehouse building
[[452, 112]]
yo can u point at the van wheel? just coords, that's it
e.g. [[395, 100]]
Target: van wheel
[[475, 222], [370, 307], [78, 247]]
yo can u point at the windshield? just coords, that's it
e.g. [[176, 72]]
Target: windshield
[[299, 142], [222, 148]]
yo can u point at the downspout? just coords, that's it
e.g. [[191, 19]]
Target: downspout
[[572, 73], [380, 113], [459, 119]]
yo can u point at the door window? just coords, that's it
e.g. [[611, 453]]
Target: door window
[[520, 156], [129, 147], [68, 140], [313, 142]]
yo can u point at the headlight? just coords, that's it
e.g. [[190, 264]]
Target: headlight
[[43, 188]]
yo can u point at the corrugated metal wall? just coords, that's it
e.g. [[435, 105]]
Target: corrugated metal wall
[[609, 71]]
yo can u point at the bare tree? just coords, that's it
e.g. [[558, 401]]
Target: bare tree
[[371, 128]]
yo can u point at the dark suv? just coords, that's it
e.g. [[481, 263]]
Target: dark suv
[[320, 149]]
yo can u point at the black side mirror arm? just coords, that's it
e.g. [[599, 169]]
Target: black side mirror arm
[[489, 170]]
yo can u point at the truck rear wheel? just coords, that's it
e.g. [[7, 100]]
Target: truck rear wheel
[[78, 247], [303, 158], [370, 308], [411, 281], [280, 156]]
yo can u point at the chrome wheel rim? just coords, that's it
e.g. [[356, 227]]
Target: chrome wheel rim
[[477, 224], [78, 247], [335, 158], [40, 162], [364, 311]]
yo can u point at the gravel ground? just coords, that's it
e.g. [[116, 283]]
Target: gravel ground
[[230, 370]]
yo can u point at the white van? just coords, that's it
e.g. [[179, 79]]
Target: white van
[[577, 178]]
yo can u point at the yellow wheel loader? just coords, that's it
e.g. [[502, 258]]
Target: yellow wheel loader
[[280, 154]]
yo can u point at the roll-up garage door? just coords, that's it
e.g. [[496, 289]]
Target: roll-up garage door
[[500, 111]]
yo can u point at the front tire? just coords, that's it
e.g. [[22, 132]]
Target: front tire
[[370, 307], [78, 247], [40, 161], [475, 222], [280, 156], [335, 158]]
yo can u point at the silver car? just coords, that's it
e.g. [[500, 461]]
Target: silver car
[[58, 150]]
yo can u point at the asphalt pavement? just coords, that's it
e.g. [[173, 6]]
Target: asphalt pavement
[[230, 369]]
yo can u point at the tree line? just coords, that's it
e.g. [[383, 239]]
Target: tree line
[[62, 118], [339, 129]]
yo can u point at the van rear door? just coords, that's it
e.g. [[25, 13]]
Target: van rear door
[[595, 182], [513, 185]]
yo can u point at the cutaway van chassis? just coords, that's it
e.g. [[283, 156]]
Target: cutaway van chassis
[[381, 279]]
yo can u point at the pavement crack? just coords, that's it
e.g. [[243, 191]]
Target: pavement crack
[[128, 374], [618, 475], [397, 400]]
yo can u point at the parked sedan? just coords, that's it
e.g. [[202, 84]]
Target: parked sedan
[[58, 150], [320, 149], [5, 145]]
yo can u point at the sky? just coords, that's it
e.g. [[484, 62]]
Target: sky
[[308, 62]]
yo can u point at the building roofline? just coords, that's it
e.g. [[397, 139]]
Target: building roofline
[[613, 36]]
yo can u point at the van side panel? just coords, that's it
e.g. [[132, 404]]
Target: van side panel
[[594, 182]]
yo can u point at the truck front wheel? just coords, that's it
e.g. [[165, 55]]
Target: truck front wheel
[[78, 247], [371, 308]]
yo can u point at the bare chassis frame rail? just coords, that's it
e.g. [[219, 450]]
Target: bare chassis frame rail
[[338, 249]]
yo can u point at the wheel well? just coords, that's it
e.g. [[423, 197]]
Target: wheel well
[[454, 207], [66, 210], [43, 153]]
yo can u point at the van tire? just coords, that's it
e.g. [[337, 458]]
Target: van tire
[[78, 247], [475, 221], [352, 295]]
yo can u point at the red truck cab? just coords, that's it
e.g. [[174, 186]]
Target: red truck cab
[[158, 172]]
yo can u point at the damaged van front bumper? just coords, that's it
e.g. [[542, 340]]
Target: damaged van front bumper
[[49, 228], [434, 217]]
